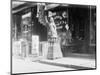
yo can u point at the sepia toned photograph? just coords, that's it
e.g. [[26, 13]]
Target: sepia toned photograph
[[52, 37]]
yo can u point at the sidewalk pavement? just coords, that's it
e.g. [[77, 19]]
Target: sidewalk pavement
[[75, 59], [27, 66], [44, 65], [71, 62]]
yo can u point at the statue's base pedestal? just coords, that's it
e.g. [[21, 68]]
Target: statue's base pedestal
[[54, 51]]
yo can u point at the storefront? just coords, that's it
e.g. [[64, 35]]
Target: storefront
[[73, 29]]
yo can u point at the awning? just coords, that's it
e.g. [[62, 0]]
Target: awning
[[50, 6]]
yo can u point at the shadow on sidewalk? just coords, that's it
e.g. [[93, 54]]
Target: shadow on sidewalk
[[66, 66]]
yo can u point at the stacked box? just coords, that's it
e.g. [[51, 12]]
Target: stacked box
[[35, 45], [16, 48], [44, 49]]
